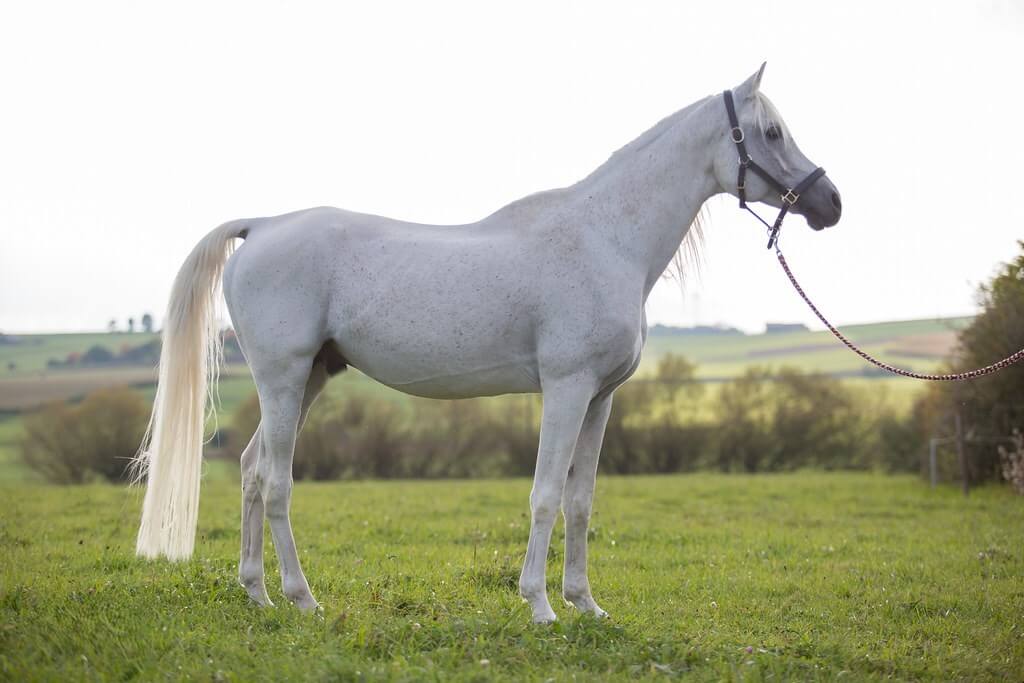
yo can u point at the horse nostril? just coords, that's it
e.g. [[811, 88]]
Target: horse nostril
[[836, 202]]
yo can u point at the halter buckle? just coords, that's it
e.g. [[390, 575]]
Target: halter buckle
[[790, 197], [737, 134]]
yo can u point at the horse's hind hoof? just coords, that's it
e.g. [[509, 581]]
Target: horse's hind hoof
[[257, 592]]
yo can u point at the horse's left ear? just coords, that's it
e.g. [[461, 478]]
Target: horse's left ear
[[750, 86]]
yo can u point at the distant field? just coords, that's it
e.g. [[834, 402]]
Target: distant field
[[797, 577], [916, 344], [28, 391], [30, 356]]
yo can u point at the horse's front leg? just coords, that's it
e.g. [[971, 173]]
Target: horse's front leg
[[576, 505], [565, 404]]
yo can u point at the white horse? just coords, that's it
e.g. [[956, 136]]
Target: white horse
[[545, 295]]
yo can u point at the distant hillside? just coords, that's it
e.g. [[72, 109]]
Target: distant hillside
[[914, 344]]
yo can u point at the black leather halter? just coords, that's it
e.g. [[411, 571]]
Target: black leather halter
[[790, 195]]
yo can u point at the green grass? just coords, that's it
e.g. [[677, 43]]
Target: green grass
[[792, 577], [11, 467]]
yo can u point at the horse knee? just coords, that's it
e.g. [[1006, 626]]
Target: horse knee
[[543, 506], [576, 509]]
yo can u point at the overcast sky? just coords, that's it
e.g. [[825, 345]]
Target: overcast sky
[[131, 129]]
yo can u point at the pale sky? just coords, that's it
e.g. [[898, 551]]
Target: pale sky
[[131, 129]]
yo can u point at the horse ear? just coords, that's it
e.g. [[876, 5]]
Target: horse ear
[[750, 86]]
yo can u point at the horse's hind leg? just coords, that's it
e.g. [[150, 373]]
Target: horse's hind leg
[[250, 566], [285, 396]]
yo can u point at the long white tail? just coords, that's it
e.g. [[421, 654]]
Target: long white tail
[[170, 457]]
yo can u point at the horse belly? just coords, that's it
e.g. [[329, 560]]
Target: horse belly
[[443, 356], [512, 379]]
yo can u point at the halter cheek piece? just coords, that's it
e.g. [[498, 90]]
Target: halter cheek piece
[[790, 195]]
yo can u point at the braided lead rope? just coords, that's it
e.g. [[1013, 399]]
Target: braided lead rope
[[988, 369]]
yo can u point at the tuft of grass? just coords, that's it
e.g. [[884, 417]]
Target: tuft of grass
[[707, 577]]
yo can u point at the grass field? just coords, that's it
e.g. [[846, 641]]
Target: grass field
[[791, 577]]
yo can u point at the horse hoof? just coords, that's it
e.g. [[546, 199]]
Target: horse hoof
[[545, 617], [258, 594], [586, 605], [307, 604]]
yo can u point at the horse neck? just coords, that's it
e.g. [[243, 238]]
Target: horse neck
[[646, 196]]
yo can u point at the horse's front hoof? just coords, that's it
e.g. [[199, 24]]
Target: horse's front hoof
[[307, 603], [544, 616], [586, 605]]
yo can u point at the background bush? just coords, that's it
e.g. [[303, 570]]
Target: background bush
[[759, 422], [97, 438], [990, 407]]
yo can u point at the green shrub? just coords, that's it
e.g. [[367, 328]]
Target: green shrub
[[992, 406], [790, 420], [72, 444], [761, 421]]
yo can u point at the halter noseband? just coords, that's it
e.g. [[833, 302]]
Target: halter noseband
[[789, 195]]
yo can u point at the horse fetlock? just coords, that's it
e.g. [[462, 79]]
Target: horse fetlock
[[255, 588], [541, 609], [576, 591], [536, 597], [304, 600], [297, 591], [584, 602]]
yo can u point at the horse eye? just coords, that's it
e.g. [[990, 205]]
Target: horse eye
[[772, 132]]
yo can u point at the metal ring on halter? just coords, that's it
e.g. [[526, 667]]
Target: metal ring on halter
[[790, 197], [737, 129]]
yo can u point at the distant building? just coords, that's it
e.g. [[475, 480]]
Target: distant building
[[783, 328], [696, 331]]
